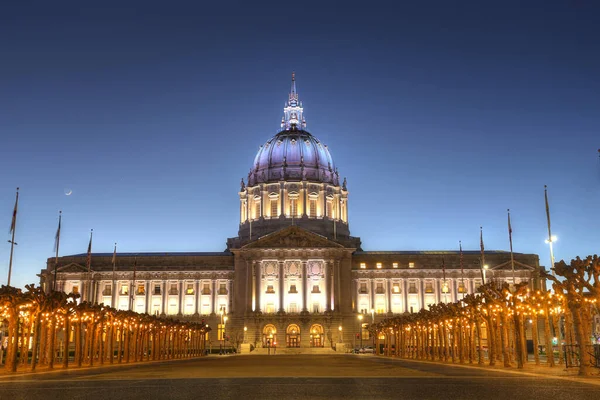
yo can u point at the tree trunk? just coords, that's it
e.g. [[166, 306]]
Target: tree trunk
[[78, 353], [51, 339], [518, 339], [67, 338], [536, 340], [585, 359], [548, 338], [504, 339], [35, 340], [13, 347]]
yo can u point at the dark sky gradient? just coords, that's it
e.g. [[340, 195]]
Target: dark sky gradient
[[440, 115]]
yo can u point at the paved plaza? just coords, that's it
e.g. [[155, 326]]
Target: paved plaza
[[290, 377]]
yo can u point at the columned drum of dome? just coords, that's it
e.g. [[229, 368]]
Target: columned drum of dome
[[293, 181]]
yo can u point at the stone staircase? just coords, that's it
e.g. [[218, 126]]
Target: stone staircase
[[295, 350]]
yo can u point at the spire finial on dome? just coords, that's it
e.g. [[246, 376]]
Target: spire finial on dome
[[293, 111]]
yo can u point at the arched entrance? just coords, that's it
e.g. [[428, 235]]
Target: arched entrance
[[292, 335], [269, 336], [316, 336]]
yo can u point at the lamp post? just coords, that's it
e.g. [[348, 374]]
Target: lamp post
[[360, 318], [245, 330], [485, 268], [340, 329], [551, 240]]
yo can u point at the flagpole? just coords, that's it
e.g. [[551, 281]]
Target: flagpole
[[113, 291], [512, 258], [13, 228], [462, 271], [57, 245], [550, 241], [482, 258]]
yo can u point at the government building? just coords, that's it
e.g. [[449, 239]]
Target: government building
[[294, 276]]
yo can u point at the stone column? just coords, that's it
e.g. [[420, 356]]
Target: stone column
[[337, 285], [354, 295], [229, 295], [148, 285], [305, 197], [405, 295], [197, 297], [281, 286], [389, 295], [257, 285], [180, 284], [421, 294], [304, 286], [327, 286], [163, 304], [282, 200], [213, 295], [113, 297], [248, 286], [372, 295]]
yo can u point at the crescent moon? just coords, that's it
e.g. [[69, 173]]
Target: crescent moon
[[68, 192]]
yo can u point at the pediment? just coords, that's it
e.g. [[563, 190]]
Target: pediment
[[507, 266], [292, 237], [72, 267]]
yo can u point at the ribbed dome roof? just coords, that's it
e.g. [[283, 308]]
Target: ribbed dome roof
[[293, 155]]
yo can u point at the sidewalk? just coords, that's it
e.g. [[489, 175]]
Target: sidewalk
[[530, 369]]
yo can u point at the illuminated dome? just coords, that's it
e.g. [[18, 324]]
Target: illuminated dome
[[293, 155]]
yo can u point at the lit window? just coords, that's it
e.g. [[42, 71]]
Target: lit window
[[294, 207], [141, 289], [189, 288], [270, 289], [312, 208], [124, 289], [380, 308], [411, 265], [329, 209], [395, 265], [316, 289], [428, 287], [293, 289], [396, 288], [461, 287], [445, 287], [379, 265], [273, 208], [270, 308], [75, 289], [363, 265], [293, 308]]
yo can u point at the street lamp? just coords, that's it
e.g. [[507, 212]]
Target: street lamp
[[551, 240], [360, 318], [485, 268], [245, 329], [340, 329]]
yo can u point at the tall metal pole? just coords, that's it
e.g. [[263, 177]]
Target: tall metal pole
[[57, 245], [549, 231], [13, 228]]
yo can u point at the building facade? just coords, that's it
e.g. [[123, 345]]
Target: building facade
[[293, 276]]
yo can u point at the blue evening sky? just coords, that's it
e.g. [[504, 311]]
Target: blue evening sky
[[441, 114]]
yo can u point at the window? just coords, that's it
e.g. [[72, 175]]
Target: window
[[270, 308], [75, 289], [315, 307], [141, 289], [257, 210], [189, 288], [477, 283], [294, 207], [428, 287], [363, 287], [445, 287], [222, 288], [173, 289], [315, 289], [411, 265], [274, 208], [293, 308], [380, 309], [396, 288], [107, 290], [378, 265], [293, 289], [156, 289], [270, 289], [206, 288], [329, 209], [363, 265], [124, 290], [312, 210], [461, 287], [379, 288], [412, 287], [395, 265]]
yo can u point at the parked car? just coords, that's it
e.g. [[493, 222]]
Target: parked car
[[366, 350]]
